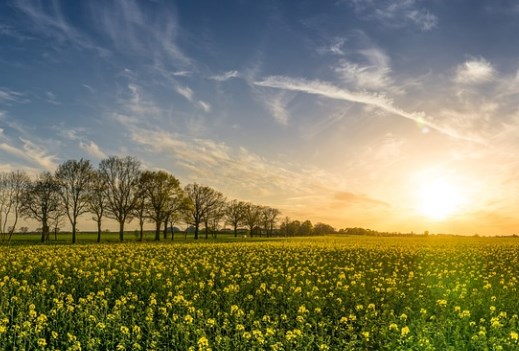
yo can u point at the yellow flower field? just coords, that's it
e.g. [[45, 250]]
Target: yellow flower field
[[332, 293]]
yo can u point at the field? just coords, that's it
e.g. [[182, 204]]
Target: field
[[329, 293]]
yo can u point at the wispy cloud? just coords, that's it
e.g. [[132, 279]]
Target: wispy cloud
[[8, 96], [204, 106], [335, 47], [182, 73], [373, 73], [51, 98], [396, 13], [79, 135], [47, 18], [423, 19], [92, 149], [225, 76], [475, 71], [149, 34], [375, 100], [137, 104], [277, 106], [31, 152], [348, 199], [185, 92]]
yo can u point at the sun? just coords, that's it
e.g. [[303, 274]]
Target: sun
[[439, 199]]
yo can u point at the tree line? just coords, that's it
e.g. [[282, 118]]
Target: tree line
[[119, 189]]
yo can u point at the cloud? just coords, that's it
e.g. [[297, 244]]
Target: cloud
[[395, 13], [185, 92], [137, 104], [277, 106], [379, 101], [182, 74], [348, 199], [423, 19], [372, 74], [204, 106], [225, 76], [475, 71], [52, 99], [151, 33], [33, 153], [8, 96], [336, 47], [47, 18], [92, 149]]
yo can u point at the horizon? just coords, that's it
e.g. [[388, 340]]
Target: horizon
[[398, 116]]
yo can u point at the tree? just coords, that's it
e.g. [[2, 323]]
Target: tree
[[306, 228], [215, 216], [200, 201], [97, 200], [268, 217], [121, 176], [251, 216], [12, 186], [74, 178], [40, 200], [56, 220], [234, 213], [323, 228], [162, 191], [140, 210]]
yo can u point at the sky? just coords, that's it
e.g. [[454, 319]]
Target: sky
[[394, 115]]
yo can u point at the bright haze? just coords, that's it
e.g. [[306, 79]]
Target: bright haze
[[397, 115]]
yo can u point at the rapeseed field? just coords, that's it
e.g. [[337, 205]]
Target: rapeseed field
[[332, 293]]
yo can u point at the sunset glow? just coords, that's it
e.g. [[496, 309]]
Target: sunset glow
[[325, 110], [439, 199]]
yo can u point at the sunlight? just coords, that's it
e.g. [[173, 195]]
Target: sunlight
[[439, 198]]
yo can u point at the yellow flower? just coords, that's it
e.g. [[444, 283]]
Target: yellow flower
[[42, 342], [404, 331], [514, 336]]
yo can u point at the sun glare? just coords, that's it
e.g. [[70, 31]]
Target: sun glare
[[439, 199]]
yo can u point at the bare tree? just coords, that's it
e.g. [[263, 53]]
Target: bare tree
[[201, 200], [251, 216], [40, 200], [74, 178], [216, 215], [140, 211], [163, 194], [12, 186], [97, 201], [234, 213], [269, 216], [121, 176], [56, 219]]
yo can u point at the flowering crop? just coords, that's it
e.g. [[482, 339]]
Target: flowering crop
[[304, 294]]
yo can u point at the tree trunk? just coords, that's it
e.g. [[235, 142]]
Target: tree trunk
[[44, 231], [121, 231], [141, 230], [196, 231], [165, 228], [235, 231], [99, 231], [157, 231], [73, 232]]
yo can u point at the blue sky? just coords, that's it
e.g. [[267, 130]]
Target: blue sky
[[348, 112]]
